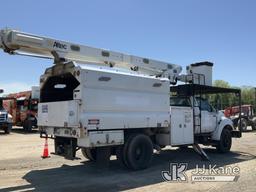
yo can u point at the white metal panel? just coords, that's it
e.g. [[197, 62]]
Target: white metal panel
[[188, 131], [58, 114], [181, 126], [123, 100], [209, 121], [101, 138]]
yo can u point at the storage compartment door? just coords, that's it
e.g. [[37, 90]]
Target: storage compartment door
[[181, 126], [58, 114]]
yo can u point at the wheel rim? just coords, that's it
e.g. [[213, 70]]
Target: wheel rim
[[138, 153], [243, 125]]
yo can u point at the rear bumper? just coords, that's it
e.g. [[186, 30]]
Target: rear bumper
[[68, 132], [99, 138]]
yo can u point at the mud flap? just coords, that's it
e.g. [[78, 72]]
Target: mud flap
[[65, 147]]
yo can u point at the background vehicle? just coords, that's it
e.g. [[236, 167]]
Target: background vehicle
[[24, 108], [117, 104], [5, 117], [247, 116]]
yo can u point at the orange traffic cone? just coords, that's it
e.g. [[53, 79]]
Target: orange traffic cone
[[45, 152]]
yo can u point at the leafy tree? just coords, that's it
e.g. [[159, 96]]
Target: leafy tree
[[221, 101]]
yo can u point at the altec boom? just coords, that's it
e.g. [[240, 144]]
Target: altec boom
[[16, 42]]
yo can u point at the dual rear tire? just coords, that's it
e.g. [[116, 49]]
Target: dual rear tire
[[136, 153], [89, 153]]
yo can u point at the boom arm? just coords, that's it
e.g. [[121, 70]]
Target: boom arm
[[15, 42]]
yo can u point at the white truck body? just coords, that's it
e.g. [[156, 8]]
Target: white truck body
[[107, 100]]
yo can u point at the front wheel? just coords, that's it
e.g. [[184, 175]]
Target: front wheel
[[225, 142], [8, 129]]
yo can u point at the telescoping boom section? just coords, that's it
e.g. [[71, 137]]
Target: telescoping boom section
[[16, 42]]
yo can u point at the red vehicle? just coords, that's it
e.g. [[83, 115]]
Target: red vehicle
[[247, 116], [23, 109]]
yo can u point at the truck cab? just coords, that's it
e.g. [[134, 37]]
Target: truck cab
[[5, 118], [203, 111], [209, 126]]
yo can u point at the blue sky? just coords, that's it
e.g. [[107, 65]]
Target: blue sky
[[176, 31]]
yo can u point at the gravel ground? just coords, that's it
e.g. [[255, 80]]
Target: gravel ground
[[22, 169]]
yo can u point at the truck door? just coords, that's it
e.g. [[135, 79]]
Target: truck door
[[208, 117]]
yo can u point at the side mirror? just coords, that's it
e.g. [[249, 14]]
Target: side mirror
[[1, 90]]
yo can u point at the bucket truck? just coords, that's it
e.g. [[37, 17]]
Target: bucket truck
[[109, 103]]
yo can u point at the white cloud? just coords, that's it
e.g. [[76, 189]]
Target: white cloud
[[14, 87]]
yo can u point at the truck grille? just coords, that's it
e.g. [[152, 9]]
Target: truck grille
[[2, 117]]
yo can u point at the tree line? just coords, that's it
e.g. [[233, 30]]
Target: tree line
[[221, 101]]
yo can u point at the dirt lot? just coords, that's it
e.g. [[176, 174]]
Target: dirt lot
[[22, 169]]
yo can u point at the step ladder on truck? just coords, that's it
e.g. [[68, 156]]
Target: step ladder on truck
[[109, 103]]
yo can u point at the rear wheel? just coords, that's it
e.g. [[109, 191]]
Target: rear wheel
[[27, 125], [89, 153], [225, 142], [138, 152]]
